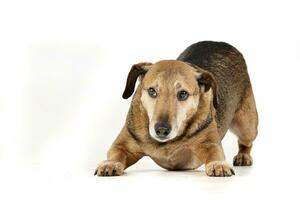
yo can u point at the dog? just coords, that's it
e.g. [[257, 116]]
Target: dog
[[182, 109]]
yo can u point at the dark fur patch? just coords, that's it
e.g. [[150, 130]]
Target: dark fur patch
[[135, 72], [204, 124], [133, 135], [229, 69]]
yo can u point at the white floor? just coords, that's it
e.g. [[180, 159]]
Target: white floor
[[249, 183], [267, 178]]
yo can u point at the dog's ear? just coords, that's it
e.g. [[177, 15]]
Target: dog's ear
[[206, 80], [136, 71]]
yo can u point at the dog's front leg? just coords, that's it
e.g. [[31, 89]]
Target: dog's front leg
[[213, 156], [123, 153]]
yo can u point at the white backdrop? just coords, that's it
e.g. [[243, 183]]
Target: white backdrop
[[63, 67]]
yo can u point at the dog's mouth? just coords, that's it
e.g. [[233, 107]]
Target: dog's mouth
[[161, 139]]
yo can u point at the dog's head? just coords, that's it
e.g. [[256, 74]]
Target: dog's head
[[171, 91]]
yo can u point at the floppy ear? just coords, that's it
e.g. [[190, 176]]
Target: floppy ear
[[136, 71], [207, 80]]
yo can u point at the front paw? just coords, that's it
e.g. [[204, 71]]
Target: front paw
[[218, 168], [109, 168]]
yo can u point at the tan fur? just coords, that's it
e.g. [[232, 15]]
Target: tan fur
[[218, 168], [168, 78], [244, 126], [189, 148]]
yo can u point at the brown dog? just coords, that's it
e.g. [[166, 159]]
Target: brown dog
[[182, 109]]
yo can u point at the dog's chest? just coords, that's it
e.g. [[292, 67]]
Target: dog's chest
[[179, 159]]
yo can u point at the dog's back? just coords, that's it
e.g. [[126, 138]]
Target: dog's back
[[228, 66]]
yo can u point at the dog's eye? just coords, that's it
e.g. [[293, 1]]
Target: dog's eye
[[182, 95], [152, 93]]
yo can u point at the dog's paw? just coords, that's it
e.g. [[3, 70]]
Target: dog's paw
[[218, 168], [109, 168], [242, 159]]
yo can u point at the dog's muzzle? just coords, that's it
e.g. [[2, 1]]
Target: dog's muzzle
[[162, 130]]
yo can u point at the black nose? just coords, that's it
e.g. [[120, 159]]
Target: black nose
[[162, 129]]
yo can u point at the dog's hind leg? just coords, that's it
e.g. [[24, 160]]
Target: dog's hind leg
[[244, 126]]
